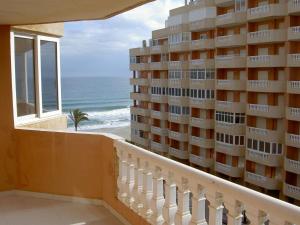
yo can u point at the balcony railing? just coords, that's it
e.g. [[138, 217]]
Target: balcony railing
[[264, 158], [270, 111], [293, 60], [293, 6], [262, 181], [292, 165], [292, 140], [293, 113], [265, 36], [230, 61], [200, 160], [294, 33], [266, 86], [229, 170], [291, 190], [266, 11], [230, 40], [293, 87], [266, 61], [202, 44], [148, 184], [231, 84]]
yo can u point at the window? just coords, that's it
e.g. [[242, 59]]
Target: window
[[36, 76], [264, 147]]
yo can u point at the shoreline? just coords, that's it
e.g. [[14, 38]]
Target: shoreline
[[119, 131]]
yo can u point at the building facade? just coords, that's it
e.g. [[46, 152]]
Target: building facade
[[218, 88]]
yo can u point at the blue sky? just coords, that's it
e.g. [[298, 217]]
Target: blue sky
[[100, 48]]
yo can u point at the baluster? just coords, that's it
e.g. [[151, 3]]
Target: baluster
[[158, 198], [121, 182], [129, 182], [198, 206], [275, 220], [183, 215], [235, 212], [215, 209], [147, 192], [256, 216], [170, 206], [138, 187]]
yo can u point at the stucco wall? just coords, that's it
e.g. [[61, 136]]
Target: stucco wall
[[54, 29]]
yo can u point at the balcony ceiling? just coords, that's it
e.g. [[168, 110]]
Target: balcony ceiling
[[24, 12]]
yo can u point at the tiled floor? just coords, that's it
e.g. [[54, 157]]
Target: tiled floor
[[23, 210]]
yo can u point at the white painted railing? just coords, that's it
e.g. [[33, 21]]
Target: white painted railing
[[163, 191], [295, 57], [260, 58], [296, 29], [259, 9], [258, 107], [294, 84], [294, 138], [259, 131], [260, 34], [295, 111]]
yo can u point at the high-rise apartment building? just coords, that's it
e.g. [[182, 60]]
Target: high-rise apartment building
[[219, 88]]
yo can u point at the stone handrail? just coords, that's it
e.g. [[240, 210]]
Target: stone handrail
[[164, 191]]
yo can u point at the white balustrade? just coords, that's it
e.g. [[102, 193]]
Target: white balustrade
[[258, 107], [260, 58], [163, 191], [294, 84], [259, 9]]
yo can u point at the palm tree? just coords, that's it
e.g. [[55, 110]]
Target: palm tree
[[77, 116]]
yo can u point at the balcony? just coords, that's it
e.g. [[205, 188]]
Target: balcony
[[177, 118], [294, 7], [266, 61], [179, 136], [230, 128], [292, 165], [231, 19], [139, 81], [202, 44], [160, 33], [294, 33], [202, 25], [293, 113], [267, 36], [179, 65], [229, 170], [264, 158], [265, 134], [293, 87], [201, 84], [291, 191], [179, 154], [158, 147], [230, 40], [202, 123], [176, 100], [139, 66], [268, 86], [262, 181], [230, 61], [227, 149], [293, 60], [202, 103], [159, 65], [201, 3], [140, 96], [159, 131], [202, 63], [158, 49], [179, 83], [144, 142], [223, 3], [159, 115], [202, 142], [139, 51], [201, 161], [159, 82], [266, 12], [292, 140], [228, 106], [180, 47], [237, 85], [269, 111], [159, 98], [139, 111]]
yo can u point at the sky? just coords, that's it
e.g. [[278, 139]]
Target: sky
[[101, 48]]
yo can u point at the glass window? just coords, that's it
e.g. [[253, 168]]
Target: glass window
[[49, 76]]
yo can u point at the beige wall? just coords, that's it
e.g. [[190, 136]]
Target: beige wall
[[54, 29], [53, 123]]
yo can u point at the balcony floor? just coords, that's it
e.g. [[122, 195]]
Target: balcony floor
[[23, 210]]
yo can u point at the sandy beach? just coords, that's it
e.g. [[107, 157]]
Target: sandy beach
[[120, 131]]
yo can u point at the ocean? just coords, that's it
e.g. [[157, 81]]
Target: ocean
[[106, 100]]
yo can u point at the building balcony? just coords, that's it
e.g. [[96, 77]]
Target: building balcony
[[229, 170], [223, 3], [269, 86], [158, 49], [139, 111], [159, 65], [293, 60], [177, 118], [201, 84], [265, 134], [292, 140], [266, 61], [202, 63], [159, 115], [180, 47], [140, 126], [294, 7], [144, 142], [202, 44], [292, 165], [264, 158], [159, 98], [227, 106], [180, 28], [230, 61], [160, 33], [179, 65], [269, 111], [179, 136], [262, 181], [139, 66], [230, 128], [176, 100], [204, 24], [267, 36], [139, 51], [202, 142], [178, 153], [231, 19], [201, 3], [179, 83], [231, 40], [159, 82], [201, 161], [140, 96], [291, 191], [202, 103], [293, 113], [293, 87], [266, 12], [202, 123], [237, 85], [159, 131], [158, 147], [139, 81], [294, 33], [227, 149]]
